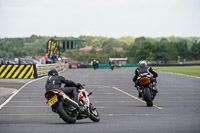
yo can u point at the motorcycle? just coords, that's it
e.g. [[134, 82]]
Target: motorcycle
[[68, 109], [95, 66], [111, 66], [147, 88]]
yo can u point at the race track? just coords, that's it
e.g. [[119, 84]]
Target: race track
[[176, 108]]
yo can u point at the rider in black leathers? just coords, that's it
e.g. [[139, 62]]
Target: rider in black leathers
[[55, 81], [143, 68]]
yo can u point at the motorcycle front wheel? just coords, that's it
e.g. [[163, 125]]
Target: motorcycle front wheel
[[94, 115], [147, 97], [65, 114]]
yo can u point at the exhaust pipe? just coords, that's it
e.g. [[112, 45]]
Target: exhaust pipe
[[70, 101]]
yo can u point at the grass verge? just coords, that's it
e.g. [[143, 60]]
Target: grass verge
[[187, 70]]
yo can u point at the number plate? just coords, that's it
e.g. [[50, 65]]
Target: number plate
[[53, 100]]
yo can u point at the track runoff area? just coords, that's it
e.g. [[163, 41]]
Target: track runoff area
[[176, 107]]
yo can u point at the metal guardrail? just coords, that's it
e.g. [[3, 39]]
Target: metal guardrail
[[107, 66], [42, 70]]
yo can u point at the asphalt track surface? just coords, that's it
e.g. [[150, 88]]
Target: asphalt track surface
[[176, 110]]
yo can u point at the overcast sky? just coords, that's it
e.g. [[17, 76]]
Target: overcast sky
[[108, 18]]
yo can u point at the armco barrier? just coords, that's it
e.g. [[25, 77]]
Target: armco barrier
[[107, 66], [42, 70], [18, 71]]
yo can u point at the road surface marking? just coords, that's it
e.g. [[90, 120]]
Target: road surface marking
[[3, 104], [14, 91], [8, 100], [134, 97]]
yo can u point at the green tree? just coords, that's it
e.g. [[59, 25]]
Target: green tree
[[140, 41], [146, 52], [161, 51], [195, 51], [131, 53], [182, 49], [172, 52], [5, 54]]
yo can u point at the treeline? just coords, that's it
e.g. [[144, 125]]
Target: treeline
[[154, 50]]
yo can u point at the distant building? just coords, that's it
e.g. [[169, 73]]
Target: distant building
[[87, 48], [118, 49], [121, 61], [98, 49]]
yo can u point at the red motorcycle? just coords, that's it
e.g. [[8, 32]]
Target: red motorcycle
[[68, 109]]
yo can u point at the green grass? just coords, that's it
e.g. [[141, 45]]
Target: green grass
[[193, 62], [187, 70]]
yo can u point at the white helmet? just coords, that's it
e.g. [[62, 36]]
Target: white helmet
[[142, 63]]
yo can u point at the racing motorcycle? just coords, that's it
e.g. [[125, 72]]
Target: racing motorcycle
[[68, 109], [147, 88], [111, 66]]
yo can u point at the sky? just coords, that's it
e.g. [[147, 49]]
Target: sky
[[107, 18]]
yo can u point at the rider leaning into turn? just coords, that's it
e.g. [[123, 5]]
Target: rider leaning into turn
[[55, 81], [144, 68]]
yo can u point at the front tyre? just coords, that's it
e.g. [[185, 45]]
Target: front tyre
[[94, 115], [64, 113], [147, 97]]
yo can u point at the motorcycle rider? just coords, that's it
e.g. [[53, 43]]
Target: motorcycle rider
[[144, 68], [111, 63], [94, 64], [55, 81]]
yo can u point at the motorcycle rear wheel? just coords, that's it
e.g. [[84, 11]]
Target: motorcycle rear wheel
[[65, 114], [147, 97], [94, 115]]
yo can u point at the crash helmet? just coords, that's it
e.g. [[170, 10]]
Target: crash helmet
[[142, 63], [53, 72]]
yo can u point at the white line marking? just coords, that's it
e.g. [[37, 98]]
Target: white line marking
[[3, 104]]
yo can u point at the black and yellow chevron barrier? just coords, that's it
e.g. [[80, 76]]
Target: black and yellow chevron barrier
[[18, 71]]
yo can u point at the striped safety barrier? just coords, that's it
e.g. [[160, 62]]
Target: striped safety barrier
[[18, 71]]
